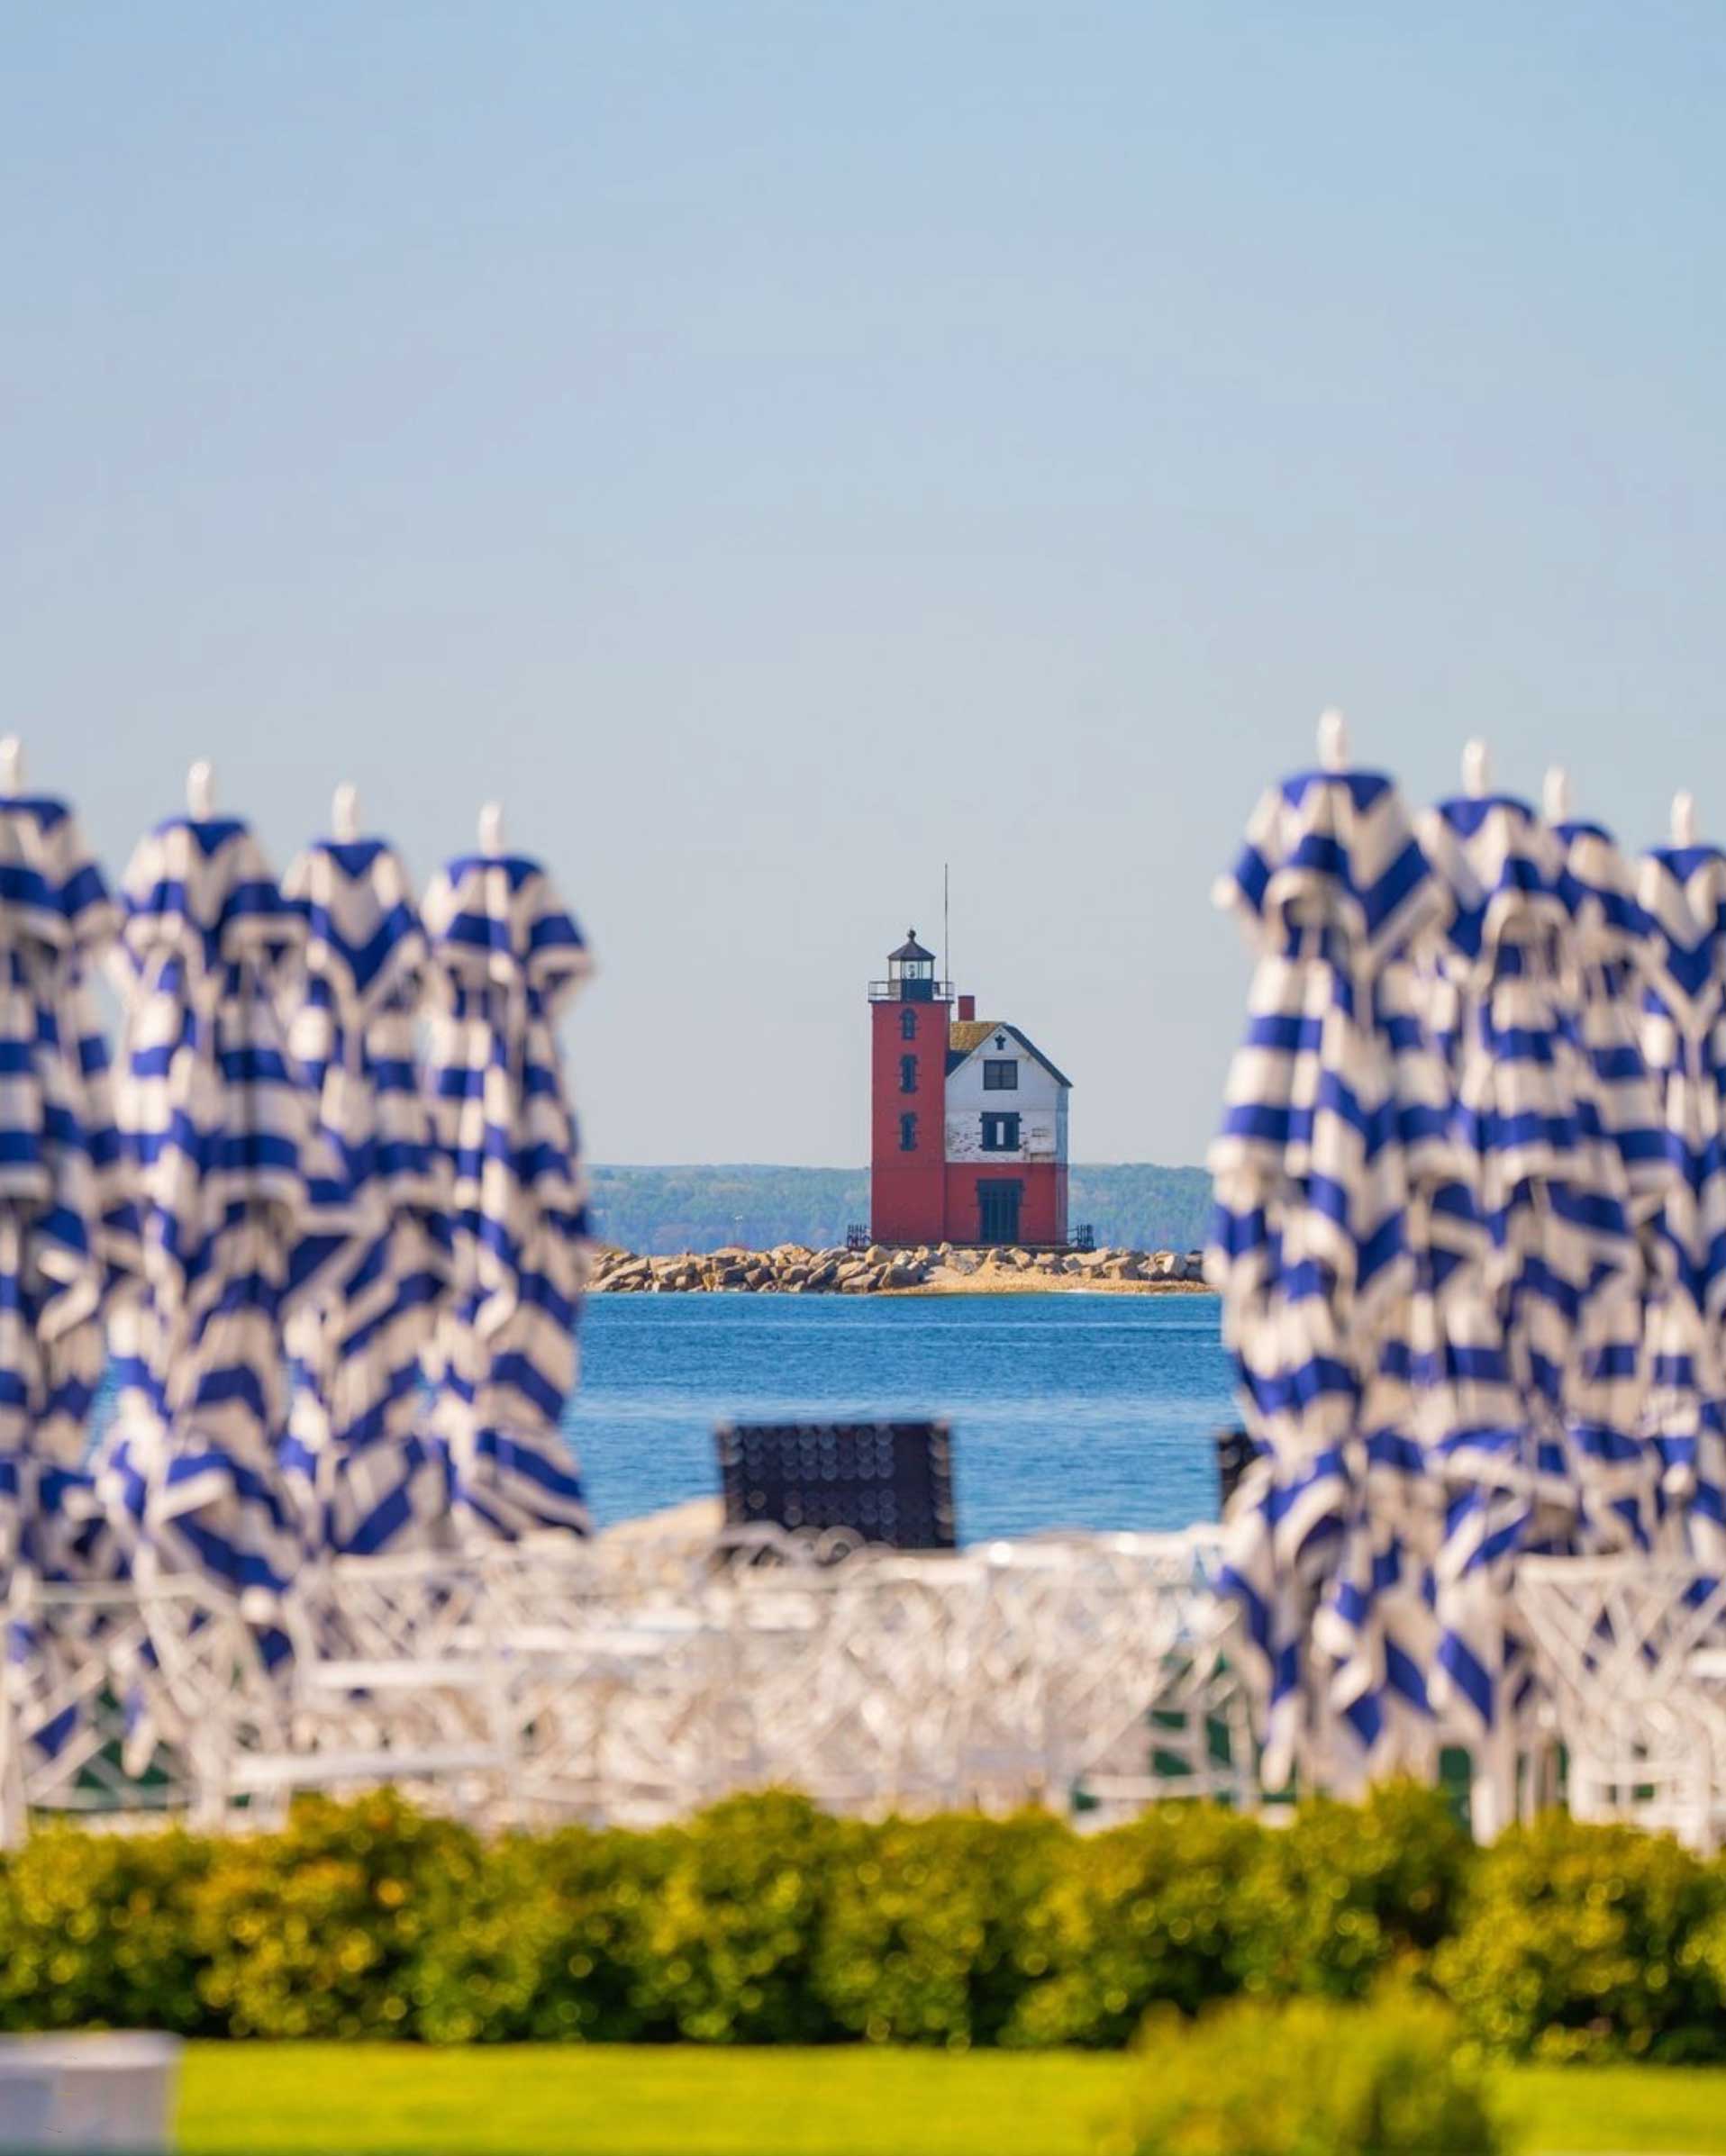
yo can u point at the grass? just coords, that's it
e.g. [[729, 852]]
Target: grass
[[636, 2100]]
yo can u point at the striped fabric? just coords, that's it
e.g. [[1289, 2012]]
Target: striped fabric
[[1682, 892], [1551, 1187], [64, 1219], [364, 1474], [508, 958], [241, 1212], [1564, 1278], [1471, 1238], [1341, 1208], [1609, 949]]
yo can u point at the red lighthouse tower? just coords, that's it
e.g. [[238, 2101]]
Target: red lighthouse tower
[[908, 1013], [968, 1117]]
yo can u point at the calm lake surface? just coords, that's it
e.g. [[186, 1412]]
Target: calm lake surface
[[1068, 1410]]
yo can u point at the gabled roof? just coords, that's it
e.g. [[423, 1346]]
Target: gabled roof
[[965, 1037]]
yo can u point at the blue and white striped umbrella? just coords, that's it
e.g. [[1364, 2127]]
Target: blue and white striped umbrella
[[1682, 890], [362, 1469], [510, 958], [1565, 1275], [64, 1219], [1340, 1203], [240, 1213], [1608, 950], [64, 1224]]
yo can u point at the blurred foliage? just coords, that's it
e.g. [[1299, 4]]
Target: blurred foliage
[[1309, 2077], [1147, 1913], [1132, 1205], [1581, 1942], [96, 1931], [926, 1937], [763, 1921], [325, 1929]]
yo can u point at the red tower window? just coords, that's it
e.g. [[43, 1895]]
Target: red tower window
[[907, 1073], [908, 1134], [907, 1024]]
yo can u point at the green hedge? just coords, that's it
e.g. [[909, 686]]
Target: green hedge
[[1303, 2078], [762, 1921]]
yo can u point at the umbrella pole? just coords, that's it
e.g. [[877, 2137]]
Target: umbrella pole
[[1492, 1790], [15, 1818]]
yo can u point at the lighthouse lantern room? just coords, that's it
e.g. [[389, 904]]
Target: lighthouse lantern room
[[967, 1118]]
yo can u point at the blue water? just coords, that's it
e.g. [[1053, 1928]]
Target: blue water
[[1068, 1410]]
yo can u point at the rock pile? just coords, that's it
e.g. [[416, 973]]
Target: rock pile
[[793, 1269]]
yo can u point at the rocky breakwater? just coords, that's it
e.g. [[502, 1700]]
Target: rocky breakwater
[[935, 1268]]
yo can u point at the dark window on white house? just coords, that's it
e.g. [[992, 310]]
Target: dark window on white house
[[907, 1073], [1000, 1073], [1001, 1134], [908, 1134], [907, 1024]]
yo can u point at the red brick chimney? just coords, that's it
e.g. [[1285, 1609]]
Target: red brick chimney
[[967, 1008]]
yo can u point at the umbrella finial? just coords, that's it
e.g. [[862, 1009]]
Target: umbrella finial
[[1555, 798], [1683, 820], [1333, 741], [344, 815], [1476, 769], [200, 790], [491, 828], [12, 764]]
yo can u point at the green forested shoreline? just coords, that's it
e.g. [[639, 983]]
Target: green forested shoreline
[[1132, 1205]]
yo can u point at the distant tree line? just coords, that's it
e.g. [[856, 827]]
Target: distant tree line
[[1132, 1205]]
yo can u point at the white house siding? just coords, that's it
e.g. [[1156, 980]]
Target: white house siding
[[1039, 1103]]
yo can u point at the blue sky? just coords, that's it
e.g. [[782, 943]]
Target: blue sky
[[777, 449]]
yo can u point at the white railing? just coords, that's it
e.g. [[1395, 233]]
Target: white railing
[[562, 1680], [1631, 1653]]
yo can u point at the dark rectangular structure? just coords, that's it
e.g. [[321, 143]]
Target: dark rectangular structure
[[886, 1483]]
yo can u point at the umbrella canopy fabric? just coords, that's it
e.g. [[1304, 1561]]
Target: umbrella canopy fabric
[[1565, 1274], [240, 1214], [363, 1472], [1340, 1207], [509, 957], [1682, 892], [1552, 1186], [1608, 942], [64, 1219]]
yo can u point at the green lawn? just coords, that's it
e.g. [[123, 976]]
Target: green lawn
[[306, 2099]]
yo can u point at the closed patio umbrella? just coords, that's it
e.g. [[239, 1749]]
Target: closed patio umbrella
[[1682, 890], [240, 1213], [1564, 1277], [64, 1225], [360, 1465], [1608, 941], [64, 1219], [507, 958], [1339, 1199]]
